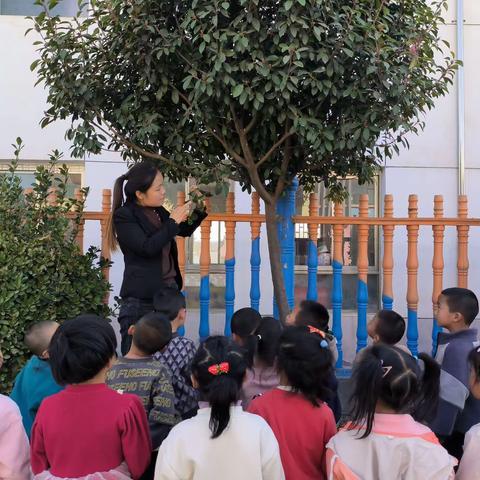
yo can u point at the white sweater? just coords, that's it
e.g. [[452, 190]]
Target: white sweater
[[247, 449]]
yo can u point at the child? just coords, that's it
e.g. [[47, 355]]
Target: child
[[88, 429], [296, 410], [14, 448], [263, 375], [387, 327], [179, 352], [222, 441], [139, 373], [458, 410], [315, 315], [244, 325], [35, 381], [470, 465], [383, 440]]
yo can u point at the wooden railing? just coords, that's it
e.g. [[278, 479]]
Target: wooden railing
[[387, 223]]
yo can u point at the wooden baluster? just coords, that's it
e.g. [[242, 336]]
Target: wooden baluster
[[181, 242], [312, 250], [412, 270], [255, 259], [362, 265], [229, 264], [205, 228], [105, 249], [437, 266], [462, 234], [337, 290], [81, 225], [388, 230]]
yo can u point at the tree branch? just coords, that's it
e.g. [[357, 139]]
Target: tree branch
[[274, 147], [252, 123]]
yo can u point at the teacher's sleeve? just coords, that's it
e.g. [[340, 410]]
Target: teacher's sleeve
[[186, 230], [131, 235]]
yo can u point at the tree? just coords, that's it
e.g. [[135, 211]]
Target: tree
[[255, 91], [43, 274]]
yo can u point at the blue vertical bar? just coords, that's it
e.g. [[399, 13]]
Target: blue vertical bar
[[337, 300], [387, 302], [312, 293], [286, 234], [255, 261], [204, 329], [362, 304], [229, 293], [181, 330], [412, 332]]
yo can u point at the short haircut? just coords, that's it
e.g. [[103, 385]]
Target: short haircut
[[314, 314], [169, 302], [39, 335], [81, 348], [152, 332], [463, 301], [390, 327]]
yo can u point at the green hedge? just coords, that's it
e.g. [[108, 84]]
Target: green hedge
[[43, 274]]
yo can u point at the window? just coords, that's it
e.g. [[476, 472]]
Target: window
[[65, 8], [325, 246]]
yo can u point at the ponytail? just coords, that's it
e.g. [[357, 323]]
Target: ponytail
[[117, 202], [426, 407], [244, 324], [219, 368]]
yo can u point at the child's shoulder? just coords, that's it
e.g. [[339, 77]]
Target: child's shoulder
[[8, 407]]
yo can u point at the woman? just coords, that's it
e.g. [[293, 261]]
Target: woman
[[146, 233]]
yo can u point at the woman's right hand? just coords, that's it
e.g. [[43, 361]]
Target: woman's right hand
[[181, 213]]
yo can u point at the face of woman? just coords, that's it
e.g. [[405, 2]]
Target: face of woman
[[155, 195]]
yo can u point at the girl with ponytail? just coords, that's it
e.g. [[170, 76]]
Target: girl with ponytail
[[145, 232], [221, 441], [392, 393]]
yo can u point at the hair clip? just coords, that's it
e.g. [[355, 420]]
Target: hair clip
[[478, 349], [323, 344], [219, 368], [386, 370], [259, 337], [315, 330]]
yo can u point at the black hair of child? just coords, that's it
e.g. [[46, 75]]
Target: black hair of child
[[268, 335], [244, 324], [38, 336], [169, 302], [462, 300], [314, 314], [81, 348], [221, 390], [389, 375], [305, 359], [390, 327], [152, 333], [474, 360]]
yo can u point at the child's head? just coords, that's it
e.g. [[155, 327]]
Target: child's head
[[151, 333], [305, 363], [388, 379], [244, 325], [171, 303], [38, 337], [386, 327], [457, 308], [268, 335], [311, 313], [82, 348], [218, 371], [474, 359]]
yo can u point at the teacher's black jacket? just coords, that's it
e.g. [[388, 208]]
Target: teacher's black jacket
[[142, 244]]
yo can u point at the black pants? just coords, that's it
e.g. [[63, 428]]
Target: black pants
[[131, 310]]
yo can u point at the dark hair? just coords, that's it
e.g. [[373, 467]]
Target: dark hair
[[38, 336], [169, 302], [390, 327], [152, 332], [463, 301], [139, 178], [244, 323], [221, 390], [474, 360], [268, 335], [81, 348], [388, 374], [306, 361], [314, 314]]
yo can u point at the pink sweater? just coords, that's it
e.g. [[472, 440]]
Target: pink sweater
[[14, 450]]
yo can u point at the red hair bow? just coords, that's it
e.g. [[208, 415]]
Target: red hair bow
[[316, 330], [219, 368]]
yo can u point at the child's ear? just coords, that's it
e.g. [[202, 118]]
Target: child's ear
[[45, 355], [376, 339], [131, 330], [194, 381]]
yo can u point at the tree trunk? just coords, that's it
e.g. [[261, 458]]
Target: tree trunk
[[274, 252]]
